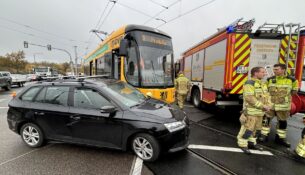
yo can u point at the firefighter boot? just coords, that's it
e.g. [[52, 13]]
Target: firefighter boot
[[262, 138], [281, 141], [251, 145], [245, 150]]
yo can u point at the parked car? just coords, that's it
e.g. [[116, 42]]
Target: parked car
[[104, 113], [18, 79], [31, 77], [5, 80]]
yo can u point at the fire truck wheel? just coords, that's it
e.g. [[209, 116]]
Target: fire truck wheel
[[196, 98]]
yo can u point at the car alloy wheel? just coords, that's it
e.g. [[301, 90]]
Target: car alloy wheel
[[143, 148], [32, 135]]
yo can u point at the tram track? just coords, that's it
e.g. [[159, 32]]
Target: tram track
[[222, 169], [278, 152]]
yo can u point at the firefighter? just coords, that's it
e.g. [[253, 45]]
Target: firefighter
[[182, 85], [281, 88], [255, 94], [300, 149]]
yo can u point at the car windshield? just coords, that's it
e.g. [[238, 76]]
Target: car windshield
[[127, 94]]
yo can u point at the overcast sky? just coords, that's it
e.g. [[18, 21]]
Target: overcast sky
[[66, 23]]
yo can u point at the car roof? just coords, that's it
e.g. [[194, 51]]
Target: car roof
[[70, 82]]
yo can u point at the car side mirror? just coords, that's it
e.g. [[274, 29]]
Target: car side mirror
[[123, 47], [108, 110]]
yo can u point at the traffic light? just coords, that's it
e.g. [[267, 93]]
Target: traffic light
[[49, 47], [25, 44]]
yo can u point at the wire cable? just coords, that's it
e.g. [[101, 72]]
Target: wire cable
[[157, 14], [188, 12], [39, 30]]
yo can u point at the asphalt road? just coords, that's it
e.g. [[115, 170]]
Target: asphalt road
[[212, 150]]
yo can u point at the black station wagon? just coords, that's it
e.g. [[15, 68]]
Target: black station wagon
[[98, 112]]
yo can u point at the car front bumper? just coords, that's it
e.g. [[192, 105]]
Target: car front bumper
[[175, 141]]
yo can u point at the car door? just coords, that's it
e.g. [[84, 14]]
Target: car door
[[89, 125], [51, 110]]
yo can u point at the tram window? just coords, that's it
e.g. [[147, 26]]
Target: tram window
[[131, 66]]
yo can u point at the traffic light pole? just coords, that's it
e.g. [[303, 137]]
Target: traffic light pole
[[71, 62]]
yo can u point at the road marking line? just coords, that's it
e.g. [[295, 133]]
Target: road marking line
[[229, 149], [137, 167], [22, 155], [3, 107]]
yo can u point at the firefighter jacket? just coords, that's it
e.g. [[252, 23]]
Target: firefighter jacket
[[182, 85], [280, 88], [255, 96]]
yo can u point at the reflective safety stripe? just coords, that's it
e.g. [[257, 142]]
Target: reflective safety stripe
[[280, 107], [248, 93], [242, 142], [253, 140], [280, 85], [254, 112], [300, 150], [265, 131], [281, 133], [258, 104]]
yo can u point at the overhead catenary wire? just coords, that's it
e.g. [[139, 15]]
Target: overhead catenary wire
[[33, 35], [39, 30], [135, 10], [114, 2], [166, 7], [186, 13], [163, 10], [107, 15], [98, 23]]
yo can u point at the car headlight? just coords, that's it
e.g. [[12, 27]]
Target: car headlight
[[174, 126]]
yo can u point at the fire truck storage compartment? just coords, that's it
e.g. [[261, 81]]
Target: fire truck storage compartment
[[214, 69]]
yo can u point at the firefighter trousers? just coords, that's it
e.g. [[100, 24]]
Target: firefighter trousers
[[249, 131], [180, 99], [282, 117], [300, 149]]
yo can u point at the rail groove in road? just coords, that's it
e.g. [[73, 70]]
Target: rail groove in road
[[281, 153], [212, 163]]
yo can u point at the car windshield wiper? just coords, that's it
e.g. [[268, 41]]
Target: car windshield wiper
[[141, 102], [136, 105]]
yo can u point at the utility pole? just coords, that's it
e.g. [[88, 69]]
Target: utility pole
[[75, 49]]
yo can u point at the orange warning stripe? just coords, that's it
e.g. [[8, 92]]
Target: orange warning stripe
[[241, 57]]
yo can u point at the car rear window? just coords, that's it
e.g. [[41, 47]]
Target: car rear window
[[54, 95], [57, 95], [30, 94]]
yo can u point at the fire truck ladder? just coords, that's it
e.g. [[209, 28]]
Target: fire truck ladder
[[289, 51], [271, 28]]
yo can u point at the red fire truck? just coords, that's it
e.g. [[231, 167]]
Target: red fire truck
[[219, 65]]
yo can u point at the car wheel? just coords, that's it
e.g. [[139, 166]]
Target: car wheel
[[8, 87], [146, 147], [32, 135], [196, 98]]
